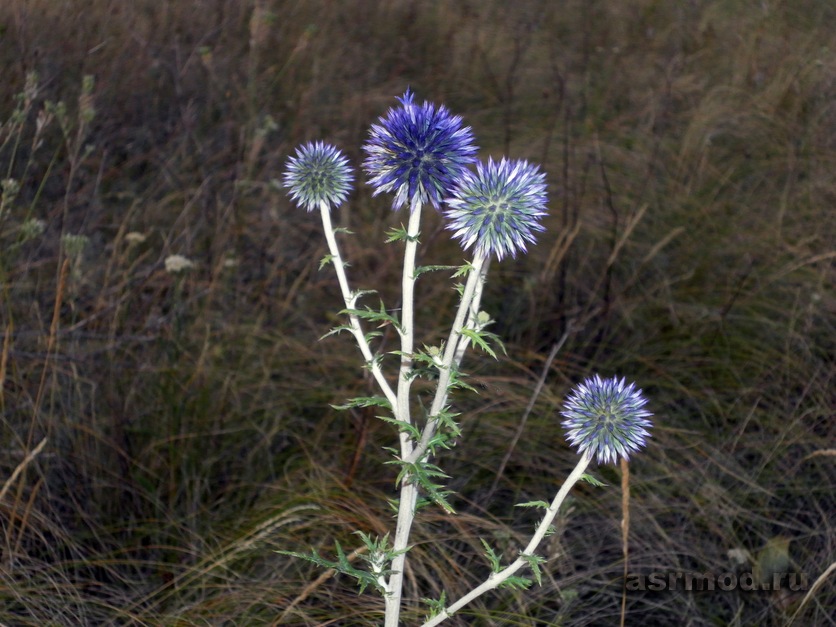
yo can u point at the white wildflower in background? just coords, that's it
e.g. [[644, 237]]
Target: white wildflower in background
[[31, 229], [9, 189], [74, 244], [177, 263], [135, 237]]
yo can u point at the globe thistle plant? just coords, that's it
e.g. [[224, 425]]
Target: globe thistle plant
[[605, 418], [498, 209], [417, 152], [422, 155], [318, 176]]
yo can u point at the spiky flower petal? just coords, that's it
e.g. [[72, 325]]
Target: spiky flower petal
[[417, 152], [605, 418], [498, 209], [319, 174]]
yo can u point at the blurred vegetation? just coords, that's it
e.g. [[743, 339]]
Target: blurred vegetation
[[185, 416]]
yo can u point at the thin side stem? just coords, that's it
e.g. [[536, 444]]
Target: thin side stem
[[473, 312], [474, 278], [350, 300], [495, 579]]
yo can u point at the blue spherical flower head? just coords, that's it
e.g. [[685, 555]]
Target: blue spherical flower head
[[604, 417], [498, 209], [318, 175], [417, 152]]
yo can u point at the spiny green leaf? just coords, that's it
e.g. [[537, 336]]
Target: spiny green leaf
[[358, 294], [422, 473], [463, 270], [436, 605], [396, 234], [365, 401], [402, 425], [374, 315], [325, 261], [592, 480], [534, 562], [476, 338], [540, 504], [371, 335], [423, 269], [341, 565], [456, 382], [516, 583], [336, 330], [492, 556]]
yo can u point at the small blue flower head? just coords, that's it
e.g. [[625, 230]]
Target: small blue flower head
[[604, 417], [318, 176], [498, 209], [417, 152]]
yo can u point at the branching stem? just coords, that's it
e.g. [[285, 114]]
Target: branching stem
[[495, 579]]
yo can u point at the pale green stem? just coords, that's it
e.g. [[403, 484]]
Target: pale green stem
[[474, 279], [407, 326], [409, 490], [495, 579], [406, 514], [350, 303], [472, 313]]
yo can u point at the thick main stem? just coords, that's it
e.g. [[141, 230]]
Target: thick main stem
[[409, 490], [495, 579], [407, 326], [406, 514]]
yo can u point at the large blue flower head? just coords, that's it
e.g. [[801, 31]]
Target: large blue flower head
[[498, 209], [417, 152], [318, 176], [604, 417]]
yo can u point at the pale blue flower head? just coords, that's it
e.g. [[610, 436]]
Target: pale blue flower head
[[498, 209], [318, 176], [605, 418], [417, 152]]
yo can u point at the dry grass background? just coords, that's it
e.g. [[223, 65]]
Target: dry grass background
[[690, 149]]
